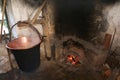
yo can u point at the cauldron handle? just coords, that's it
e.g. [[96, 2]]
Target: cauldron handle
[[30, 25]]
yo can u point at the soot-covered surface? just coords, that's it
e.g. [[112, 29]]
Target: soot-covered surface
[[73, 17], [83, 18]]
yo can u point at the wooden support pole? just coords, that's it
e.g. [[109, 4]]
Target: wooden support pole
[[48, 31], [9, 53], [38, 12], [3, 12]]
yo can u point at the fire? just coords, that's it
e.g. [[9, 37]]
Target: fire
[[73, 59]]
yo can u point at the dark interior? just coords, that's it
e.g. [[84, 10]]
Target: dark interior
[[79, 18]]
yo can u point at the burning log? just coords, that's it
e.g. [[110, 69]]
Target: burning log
[[73, 59]]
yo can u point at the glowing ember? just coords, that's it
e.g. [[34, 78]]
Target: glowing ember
[[72, 59]]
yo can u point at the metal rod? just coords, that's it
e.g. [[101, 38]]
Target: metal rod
[[109, 52]]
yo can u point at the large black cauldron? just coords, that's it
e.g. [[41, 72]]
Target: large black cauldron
[[26, 51]]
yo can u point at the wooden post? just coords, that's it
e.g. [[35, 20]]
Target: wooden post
[[49, 30], [38, 12], [3, 12], [9, 53]]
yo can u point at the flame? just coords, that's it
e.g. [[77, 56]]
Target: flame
[[73, 63], [69, 57], [72, 59]]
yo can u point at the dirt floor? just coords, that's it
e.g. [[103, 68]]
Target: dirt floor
[[55, 71], [91, 68]]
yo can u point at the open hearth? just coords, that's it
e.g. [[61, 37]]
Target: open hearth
[[78, 39], [73, 52]]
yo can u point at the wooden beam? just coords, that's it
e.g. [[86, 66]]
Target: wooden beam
[[38, 12], [23, 25], [3, 12]]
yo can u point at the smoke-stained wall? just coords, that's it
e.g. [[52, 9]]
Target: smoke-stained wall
[[88, 19], [83, 18], [112, 14]]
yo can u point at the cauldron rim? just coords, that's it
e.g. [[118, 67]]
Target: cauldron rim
[[8, 47]]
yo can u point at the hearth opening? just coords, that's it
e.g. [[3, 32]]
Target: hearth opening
[[72, 59], [73, 52]]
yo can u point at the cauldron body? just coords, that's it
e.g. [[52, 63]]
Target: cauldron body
[[27, 52], [26, 48], [28, 60]]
